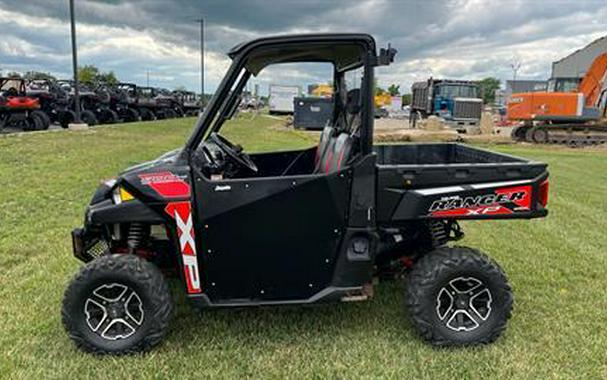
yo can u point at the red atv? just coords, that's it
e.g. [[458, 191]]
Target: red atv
[[17, 110]]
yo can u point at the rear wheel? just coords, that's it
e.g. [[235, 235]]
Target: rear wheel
[[458, 296], [45, 120], [117, 304], [88, 117], [131, 115], [66, 118], [110, 117], [146, 114]]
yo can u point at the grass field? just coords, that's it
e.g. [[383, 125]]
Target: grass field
[[556, 267]]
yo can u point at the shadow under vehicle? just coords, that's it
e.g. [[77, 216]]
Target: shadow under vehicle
[[298, 227]]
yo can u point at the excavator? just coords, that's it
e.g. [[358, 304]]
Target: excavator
[[572, 118]]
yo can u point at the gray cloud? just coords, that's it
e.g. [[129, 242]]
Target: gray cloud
[[459, 38]]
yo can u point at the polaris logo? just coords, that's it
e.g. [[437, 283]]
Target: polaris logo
[[456, 202]]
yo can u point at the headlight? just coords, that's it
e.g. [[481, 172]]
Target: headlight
[[120, 195]]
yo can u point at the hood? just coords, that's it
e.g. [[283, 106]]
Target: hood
[[167, 159]]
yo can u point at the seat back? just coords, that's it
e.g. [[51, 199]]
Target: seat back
[[328, 133]]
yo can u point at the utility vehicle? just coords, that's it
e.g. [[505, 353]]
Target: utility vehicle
[[17, 109], [55, 101], [88, 103], [298, 227], [189, 101]]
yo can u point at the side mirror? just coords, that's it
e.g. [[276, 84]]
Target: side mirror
[[386, 56]]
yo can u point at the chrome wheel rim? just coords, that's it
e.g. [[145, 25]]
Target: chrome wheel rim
[[464, 304], [114, 311]]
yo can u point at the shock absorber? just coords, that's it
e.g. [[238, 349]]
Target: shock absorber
[[138, 232]]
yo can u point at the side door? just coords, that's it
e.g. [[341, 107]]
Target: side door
[[270, 239]]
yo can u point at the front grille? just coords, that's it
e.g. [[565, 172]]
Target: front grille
[[98, 248], [467, 109]]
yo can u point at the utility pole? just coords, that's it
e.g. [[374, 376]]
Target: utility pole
[[75, 65], [515, 65], [201, 21], [148, 78]]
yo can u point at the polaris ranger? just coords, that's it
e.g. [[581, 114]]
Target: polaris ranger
[[18, 109], [298, 227], [458, 102]]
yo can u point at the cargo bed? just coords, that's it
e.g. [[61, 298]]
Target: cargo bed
[[456, 181]]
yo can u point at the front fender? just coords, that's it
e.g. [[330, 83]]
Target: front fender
[[106, 212]]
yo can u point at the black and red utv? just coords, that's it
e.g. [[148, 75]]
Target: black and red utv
[[18, 110], [298, 227]]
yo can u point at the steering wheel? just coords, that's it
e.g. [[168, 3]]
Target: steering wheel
[[234, 151]]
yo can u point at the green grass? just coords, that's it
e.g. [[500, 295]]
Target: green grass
[[556, 267]]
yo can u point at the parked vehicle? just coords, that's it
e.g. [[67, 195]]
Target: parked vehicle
[[17, 109], [281, 98], [88, 102], [190, 102], [55, 101], [458, 102], [298, 227], [116, 100], [157, 102], [566, 117]]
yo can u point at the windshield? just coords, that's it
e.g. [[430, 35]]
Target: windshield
[[457, 91]]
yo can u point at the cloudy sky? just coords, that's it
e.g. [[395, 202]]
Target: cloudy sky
[[468, 39]]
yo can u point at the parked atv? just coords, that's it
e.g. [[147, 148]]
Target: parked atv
[[18, 110], [121, 103], [157, 101], [54, 100], [88, 103], [298, 227], [189, 102]]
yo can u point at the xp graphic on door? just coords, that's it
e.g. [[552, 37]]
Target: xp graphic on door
[[298, 227]]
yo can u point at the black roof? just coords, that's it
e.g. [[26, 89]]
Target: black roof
[[343, 49]]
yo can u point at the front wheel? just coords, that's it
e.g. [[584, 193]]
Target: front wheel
[[458, 297], [117, 304]]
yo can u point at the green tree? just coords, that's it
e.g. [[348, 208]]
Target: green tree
[[109, 78], [90, 74], [34, 75], [488, 87], [180, 88], [406, 99], [13, 74], [394, 90]]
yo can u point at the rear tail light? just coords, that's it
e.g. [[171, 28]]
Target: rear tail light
[[543, 195]]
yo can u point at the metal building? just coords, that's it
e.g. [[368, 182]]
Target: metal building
[[568, 71], [520, 85]]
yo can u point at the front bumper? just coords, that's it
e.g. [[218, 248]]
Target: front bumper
[[78, 243], [88, 244]]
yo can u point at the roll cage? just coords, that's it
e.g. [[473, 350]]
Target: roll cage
[[345, 51]]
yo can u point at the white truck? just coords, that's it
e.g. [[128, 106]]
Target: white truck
[[281, 98]]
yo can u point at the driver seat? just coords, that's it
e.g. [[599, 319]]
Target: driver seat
[[336, 144]]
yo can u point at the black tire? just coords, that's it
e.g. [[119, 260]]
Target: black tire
[[88, 117], [66, 118], [45, 120], [110, 117], [138, 277], [450, 270], [131, 115], [146, 114], [32, 123]]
